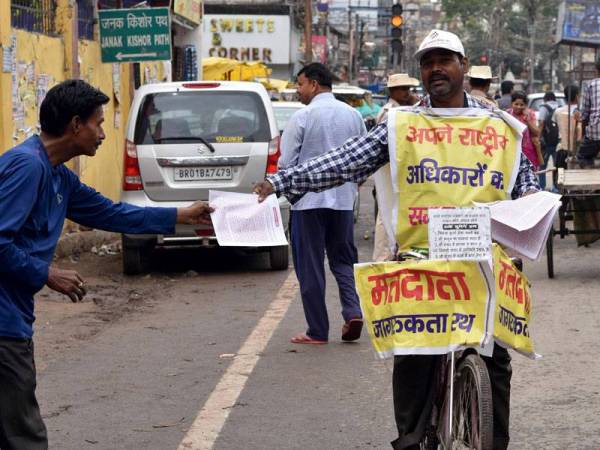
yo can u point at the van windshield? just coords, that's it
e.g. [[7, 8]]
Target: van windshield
[[191, 117]]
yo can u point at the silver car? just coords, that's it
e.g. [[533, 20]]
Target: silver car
[[186, 138]]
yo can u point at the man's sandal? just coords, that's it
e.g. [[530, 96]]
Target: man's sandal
[[304, 339]]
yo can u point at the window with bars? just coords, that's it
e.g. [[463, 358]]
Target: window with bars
[[85, 19], [34, 15]]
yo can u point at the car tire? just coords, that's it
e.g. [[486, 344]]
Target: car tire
[[279, 257], [136, 257]]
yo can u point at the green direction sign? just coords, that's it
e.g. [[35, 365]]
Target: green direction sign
[[134, 35]]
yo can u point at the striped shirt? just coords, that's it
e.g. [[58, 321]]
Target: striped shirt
[[359, 157], [590, 111]]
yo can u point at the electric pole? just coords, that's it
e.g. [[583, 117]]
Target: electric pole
[[307, 31]]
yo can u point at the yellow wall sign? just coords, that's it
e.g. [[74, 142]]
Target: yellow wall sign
[[189, 9], [441, 161], [513, 305], [424, 307]]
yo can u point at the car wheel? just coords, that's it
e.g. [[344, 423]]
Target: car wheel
[[279, 257], [136, 257]]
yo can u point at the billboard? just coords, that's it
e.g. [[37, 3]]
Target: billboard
[[579, 23]]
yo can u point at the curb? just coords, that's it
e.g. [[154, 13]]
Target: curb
[[83, 241]]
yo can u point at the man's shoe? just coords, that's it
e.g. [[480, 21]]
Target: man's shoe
[[352, 329]]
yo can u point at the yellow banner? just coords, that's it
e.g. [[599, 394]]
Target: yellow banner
[[447, 161], [513, 305], [424, 307]]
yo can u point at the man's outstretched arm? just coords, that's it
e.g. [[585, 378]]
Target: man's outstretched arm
[[354, 161]]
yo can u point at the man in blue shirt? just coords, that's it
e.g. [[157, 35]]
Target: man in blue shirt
[[37, 193], [322, 221]]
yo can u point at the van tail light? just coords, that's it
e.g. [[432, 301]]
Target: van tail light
[[132, 179], [273, 155], [201, 85]]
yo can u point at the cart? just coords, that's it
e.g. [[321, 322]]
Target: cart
[[580, 190]]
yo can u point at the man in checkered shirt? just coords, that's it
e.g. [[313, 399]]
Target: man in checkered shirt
[[443, 66], [590, 118]]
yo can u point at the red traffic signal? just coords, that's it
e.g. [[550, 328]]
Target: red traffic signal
[[483, 59]]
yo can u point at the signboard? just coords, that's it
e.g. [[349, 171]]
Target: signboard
[[579, 23], [133, 35], [462, 234], [425, 307], [247, 37], [190, 10]]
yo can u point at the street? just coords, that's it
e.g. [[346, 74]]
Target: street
[[133, 364]]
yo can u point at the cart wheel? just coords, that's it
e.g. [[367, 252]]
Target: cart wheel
[[550, 253]]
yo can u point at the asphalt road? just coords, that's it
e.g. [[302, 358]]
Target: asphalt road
[[133, 365]]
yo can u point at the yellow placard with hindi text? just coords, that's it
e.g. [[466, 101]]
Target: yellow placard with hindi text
[[513, 305], [424, 307], [447, 161]]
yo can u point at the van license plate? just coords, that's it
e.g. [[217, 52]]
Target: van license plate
[[203, 173]]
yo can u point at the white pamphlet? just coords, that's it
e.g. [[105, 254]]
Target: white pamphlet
[[240, 220], [524, 224], [460, 234]]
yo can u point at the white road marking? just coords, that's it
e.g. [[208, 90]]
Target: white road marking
[[212, 417]]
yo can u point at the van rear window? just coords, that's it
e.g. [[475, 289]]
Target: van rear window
[[212, 116]]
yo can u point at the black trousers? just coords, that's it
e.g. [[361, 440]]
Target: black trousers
[[413, 384], [21, 424]]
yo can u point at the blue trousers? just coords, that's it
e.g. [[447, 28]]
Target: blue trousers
[[315, 231]]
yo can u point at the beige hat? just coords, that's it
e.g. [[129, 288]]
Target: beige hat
[[440, 39], [483, 72], [401, 79]]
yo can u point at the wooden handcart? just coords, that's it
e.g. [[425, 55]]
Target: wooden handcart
[[580, 190]]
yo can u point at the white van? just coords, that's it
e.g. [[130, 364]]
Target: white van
[[188, 137]]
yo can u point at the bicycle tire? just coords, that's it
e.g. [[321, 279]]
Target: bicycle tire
[[550, 253], [473, 416]]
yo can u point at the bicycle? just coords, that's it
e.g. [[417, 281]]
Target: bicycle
[[464, 383]]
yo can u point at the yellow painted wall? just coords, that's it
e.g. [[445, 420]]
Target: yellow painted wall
[[40, 56]]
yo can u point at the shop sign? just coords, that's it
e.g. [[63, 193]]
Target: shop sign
[[190, 10], [134, 35], [247, 37]]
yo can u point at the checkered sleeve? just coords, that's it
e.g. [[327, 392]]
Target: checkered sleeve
[[354, 161], [526, 179]]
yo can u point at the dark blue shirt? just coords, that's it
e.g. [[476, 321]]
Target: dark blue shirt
[[35, 198]]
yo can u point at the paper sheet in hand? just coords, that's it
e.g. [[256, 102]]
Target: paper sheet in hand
[[240, 221], [524, 224]]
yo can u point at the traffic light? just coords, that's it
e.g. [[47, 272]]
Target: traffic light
[[483, 59], [397, 21]]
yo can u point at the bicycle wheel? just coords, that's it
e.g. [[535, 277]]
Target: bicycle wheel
[[473, 420]]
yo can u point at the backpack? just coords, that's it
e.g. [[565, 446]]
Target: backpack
[[550, 132]]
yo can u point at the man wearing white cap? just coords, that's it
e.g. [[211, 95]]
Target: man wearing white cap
[[443, 66], [480, 78]]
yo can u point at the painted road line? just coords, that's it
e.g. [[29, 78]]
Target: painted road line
[[212, 417]]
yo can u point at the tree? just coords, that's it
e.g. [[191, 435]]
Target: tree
[[504, 30]]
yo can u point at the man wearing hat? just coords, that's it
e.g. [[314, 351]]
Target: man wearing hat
[[480, 78], [443, 66], [398, 85]]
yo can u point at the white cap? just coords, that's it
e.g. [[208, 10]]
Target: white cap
[[440, 39], [401, 79], [482, 72]]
